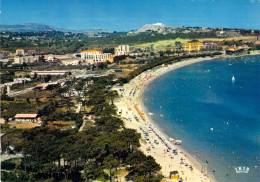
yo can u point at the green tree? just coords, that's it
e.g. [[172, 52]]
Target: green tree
[[109, 123], [142, 165], [111, 164], [28, 100], [112, 95], [68, 103], [92, 171], [101, 66], [47, 78]]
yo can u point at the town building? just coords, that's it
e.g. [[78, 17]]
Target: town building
[[4, 54], [19, 52], [122, 50], [94, 56], [26, 118], [55, 57], [23, 59], [4, 61], [31, 52], [192, 46], [210, 46], [235, 48]]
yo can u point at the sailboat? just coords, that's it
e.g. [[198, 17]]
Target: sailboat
[[233, 79]]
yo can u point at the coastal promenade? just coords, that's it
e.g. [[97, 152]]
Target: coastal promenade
[[154, 142]]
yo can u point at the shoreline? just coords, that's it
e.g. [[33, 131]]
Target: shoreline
[[191, 170], [191, 159]]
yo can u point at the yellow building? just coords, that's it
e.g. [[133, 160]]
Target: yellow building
[[192, 46], [19, 52]]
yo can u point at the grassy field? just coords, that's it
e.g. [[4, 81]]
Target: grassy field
[[24, 125], [61, 124]]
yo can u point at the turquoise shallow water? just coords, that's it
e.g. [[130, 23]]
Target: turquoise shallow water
[[189, 101]]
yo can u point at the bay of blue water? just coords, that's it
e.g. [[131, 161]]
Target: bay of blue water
[[191, 100]]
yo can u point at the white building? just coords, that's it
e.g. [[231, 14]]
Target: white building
[[4, 61], [94, 56], [122, 50], [70, 62], [23, 59], [26, 118], [50, 59], [55, 57]]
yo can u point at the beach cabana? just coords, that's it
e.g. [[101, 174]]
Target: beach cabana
[[174, 175]]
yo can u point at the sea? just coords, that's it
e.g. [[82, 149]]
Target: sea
[[217, 118]]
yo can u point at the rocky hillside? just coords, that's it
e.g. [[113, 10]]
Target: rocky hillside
[[156, 27]]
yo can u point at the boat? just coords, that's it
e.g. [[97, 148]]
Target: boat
[[233, 78], [175, 142]]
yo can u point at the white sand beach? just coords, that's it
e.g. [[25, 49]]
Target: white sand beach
[[131, 106]]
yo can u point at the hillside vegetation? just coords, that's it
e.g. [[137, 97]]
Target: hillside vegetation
[[162, 44]]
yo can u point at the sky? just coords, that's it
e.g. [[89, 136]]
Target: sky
[[126, 15]]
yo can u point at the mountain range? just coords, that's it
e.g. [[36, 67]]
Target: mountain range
[[35, 27]]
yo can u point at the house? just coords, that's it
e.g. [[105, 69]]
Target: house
[[31, 52], [26, 118], [4, 54]]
